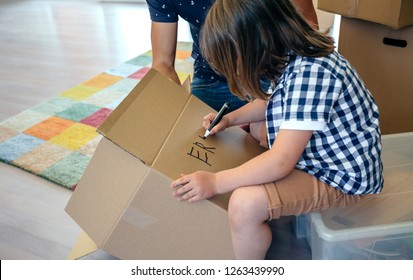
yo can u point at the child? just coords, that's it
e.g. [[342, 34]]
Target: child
[[322, 124]]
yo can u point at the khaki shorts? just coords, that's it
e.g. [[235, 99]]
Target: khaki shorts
[[300, 193]]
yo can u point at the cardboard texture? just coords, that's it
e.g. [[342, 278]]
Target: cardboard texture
[[124, 201], [393, 13], [84, 246], [325, 19], [383, 57]]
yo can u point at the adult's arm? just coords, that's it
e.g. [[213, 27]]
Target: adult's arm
[[164, 41]]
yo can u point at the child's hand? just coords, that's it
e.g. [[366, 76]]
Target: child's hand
[[223, 124], [194, 187]]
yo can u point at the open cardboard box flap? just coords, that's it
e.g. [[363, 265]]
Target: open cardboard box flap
[[123, 200], [141, 123]]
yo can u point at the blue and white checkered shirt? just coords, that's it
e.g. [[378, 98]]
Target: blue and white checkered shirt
[[327, 96]]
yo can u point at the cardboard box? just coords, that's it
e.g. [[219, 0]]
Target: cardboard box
[[383, 57], [393, 13], [124, 202], [325, 19]]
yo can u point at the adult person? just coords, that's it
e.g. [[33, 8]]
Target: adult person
[[206, 84]]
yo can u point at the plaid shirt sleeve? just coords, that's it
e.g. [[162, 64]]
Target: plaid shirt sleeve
[[309, 97]]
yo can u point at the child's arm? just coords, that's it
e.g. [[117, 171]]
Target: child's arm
[[252, 112], [270, 166]]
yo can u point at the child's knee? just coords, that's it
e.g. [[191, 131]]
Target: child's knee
[[236, 206], [247, 205]]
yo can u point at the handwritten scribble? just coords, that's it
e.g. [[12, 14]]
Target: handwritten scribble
[[201, 152]]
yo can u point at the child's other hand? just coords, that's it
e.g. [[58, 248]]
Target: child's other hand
[[194, 187], [223, 124]]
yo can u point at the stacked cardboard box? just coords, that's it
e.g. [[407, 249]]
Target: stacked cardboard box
[[124, 202], [376, 36], [393, 13]]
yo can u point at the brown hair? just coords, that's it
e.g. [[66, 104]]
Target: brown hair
[[246, 40]]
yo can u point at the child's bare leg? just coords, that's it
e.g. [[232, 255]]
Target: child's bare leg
[[248, 213]]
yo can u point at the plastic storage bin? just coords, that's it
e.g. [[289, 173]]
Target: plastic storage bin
[[378, 228]]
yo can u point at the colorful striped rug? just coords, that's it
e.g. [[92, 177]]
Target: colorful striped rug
[[56, 139]]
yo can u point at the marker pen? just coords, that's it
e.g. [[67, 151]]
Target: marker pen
[[217, 119]]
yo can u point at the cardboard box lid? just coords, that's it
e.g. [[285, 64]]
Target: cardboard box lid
[[393, 13], [143, 120]]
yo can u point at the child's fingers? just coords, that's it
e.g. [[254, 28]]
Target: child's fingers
[[208, 120], [180, 181], [189, 195], [219, 126], [195, 198], [183, 189]]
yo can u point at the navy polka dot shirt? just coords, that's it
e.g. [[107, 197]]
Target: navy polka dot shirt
[[194, 12]]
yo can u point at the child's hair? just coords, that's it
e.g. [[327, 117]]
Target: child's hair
[[247, 40]]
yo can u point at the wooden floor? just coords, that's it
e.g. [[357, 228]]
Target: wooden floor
[[47, 47]]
